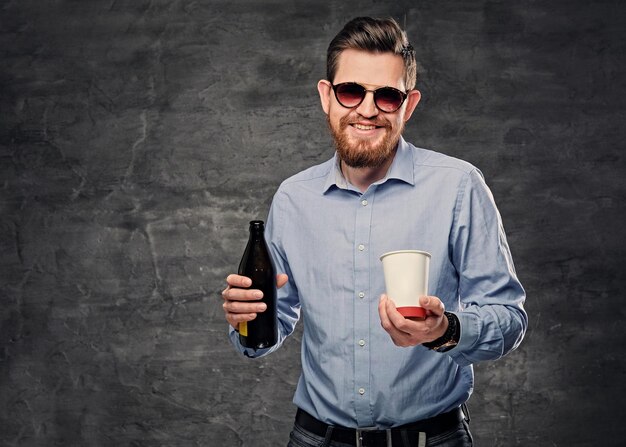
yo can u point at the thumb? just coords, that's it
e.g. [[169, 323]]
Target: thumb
[[281, 280], [432, 303]]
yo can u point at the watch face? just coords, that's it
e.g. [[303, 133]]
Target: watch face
[[446, 346]]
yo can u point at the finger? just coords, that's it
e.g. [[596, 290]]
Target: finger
[[382, 312], [235, 319], [235, 294], [243, 307], [432, 304], [281, 280], [385, 305], [409, 332], [238, 281], [237, 311], [396, 318]]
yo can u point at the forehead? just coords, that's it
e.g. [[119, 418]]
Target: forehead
[[371, 69]]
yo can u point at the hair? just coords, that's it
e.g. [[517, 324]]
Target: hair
[[374, 35]]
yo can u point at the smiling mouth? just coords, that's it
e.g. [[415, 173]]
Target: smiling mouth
[[365, 127]]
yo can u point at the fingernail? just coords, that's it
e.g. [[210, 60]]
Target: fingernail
[[258, 294], [426, 300], [247, 282], [261, 307]]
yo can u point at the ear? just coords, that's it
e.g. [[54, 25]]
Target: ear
[[411, 103], [324, 88]]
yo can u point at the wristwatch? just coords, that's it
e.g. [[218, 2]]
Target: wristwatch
[[451, 337]]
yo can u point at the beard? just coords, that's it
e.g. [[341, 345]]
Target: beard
[[363, 153]]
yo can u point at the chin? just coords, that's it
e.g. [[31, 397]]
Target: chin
[[364, 152], [366, 156]]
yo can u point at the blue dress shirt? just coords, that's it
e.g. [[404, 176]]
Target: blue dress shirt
[[328, 237]]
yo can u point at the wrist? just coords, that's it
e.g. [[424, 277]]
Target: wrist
[[450, 338]]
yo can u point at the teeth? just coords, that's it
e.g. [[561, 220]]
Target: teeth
[[362, 127]]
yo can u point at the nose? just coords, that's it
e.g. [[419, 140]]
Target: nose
[[367, 108]]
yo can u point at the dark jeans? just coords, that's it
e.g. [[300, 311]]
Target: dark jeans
[[460, 436]]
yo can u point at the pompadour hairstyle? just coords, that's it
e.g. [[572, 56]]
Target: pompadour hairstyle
[[374, 35]]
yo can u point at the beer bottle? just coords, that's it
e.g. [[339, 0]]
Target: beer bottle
[[257, 265]]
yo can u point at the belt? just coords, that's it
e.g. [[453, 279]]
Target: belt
[[376, 437]]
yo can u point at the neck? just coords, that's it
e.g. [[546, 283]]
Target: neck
[[362, 178]]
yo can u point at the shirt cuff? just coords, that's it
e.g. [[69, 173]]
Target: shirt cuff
[[469, 324], [248, 352]]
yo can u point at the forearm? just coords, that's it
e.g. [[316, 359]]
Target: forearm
[[489, 332], [249, 352], [287, 318]]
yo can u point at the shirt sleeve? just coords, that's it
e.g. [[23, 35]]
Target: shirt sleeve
[[288, 302], [492, 316]]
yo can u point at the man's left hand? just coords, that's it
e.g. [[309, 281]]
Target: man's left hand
[[410, 332]]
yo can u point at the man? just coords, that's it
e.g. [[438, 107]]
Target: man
[[369, 376]]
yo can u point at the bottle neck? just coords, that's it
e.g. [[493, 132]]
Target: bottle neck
[[257, 228]]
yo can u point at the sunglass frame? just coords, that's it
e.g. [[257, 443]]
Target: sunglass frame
[[402, 94]]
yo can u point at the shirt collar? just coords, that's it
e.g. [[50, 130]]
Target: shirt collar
[[401, 169]]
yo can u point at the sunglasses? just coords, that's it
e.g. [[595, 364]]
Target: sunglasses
[[351, 94]]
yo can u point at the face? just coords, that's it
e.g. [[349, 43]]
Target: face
[[366, 137]]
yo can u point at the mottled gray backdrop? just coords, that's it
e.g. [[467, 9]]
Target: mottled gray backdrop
[[139, 137]]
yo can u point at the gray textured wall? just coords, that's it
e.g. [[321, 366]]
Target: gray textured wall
[[138, 138]]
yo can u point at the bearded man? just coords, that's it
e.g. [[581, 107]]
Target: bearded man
[[370, 376]]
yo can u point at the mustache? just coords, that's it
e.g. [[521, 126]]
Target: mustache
[[355, 118]]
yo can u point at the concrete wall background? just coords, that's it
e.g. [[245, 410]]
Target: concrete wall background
[[138, 138]]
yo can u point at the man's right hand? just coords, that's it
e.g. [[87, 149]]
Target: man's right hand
[[242, 304]]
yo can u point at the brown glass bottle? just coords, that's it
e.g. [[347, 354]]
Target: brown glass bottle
[[257, 265]]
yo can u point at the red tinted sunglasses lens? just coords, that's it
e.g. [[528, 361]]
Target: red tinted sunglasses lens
[[388, 99], [349, 95]]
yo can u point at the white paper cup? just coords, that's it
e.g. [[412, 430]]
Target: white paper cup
[[406, 279]]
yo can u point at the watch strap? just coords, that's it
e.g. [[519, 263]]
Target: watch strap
[[450, 338]]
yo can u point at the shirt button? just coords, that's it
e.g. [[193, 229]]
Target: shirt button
[[364, 202], [361, 391], [361, 342], [361, 247], [361, 294]]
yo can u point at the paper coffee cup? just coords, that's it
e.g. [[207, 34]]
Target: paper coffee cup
[[406, 279]]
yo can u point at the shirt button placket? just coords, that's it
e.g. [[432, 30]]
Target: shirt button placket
[[362, 307]]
